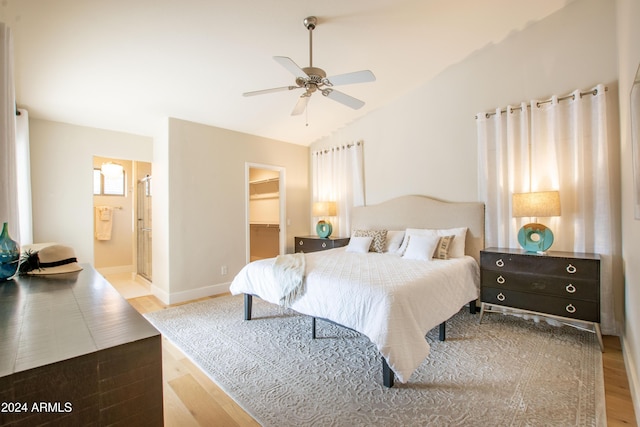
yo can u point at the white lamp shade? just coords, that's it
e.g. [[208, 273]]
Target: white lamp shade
[[324, 209], [537, 204]]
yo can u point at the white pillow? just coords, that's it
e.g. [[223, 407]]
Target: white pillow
[[359, 244], [458, 245], [421, 247], [415, 232], [394, 240]]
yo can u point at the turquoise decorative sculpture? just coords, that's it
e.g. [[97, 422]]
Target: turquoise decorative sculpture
[[535, 237], [324, 229]]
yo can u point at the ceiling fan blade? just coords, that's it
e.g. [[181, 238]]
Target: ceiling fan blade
[[351, 78], [301, 105], [291, 66], [343, 98], [275, 89]]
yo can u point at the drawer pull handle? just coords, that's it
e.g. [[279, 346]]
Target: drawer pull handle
[[570, 308], [571, 269], [324, 245], [570, 288], [500, 280], [500, 263], [501, 297], [301, 242]]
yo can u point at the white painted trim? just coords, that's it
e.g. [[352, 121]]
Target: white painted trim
[[632, 377], [191, 294]]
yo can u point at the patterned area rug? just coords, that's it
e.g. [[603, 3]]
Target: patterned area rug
[[503, 372]]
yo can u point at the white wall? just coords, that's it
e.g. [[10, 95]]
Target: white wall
[[629, 59], [62, 179], [206, 195], [425, 143]]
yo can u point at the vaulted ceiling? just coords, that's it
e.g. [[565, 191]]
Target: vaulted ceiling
[[126, 65]]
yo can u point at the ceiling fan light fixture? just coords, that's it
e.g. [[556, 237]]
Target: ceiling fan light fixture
[[314, 79]]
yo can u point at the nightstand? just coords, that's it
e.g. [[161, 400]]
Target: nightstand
[[315, 243], [564, 286]]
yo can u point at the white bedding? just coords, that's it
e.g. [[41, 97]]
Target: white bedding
[[391, 300]]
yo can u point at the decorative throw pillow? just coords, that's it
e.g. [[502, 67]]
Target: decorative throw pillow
[[415, 232], [394, 240], [420, 247], [379, 238], [458, 245], [359, 244], [443, 247]]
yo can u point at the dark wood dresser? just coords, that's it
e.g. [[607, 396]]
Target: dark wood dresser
[[560, 285], [74, 352], [315, 243]]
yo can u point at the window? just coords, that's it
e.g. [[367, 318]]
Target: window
[[108, 185]]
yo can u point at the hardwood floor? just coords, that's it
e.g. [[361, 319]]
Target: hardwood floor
[[192, 399]]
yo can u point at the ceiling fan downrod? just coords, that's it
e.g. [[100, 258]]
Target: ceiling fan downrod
[[310, 23]]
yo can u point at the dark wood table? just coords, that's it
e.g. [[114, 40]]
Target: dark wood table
[[74, 352]]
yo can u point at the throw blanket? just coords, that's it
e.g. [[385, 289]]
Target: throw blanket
[[288, 271]]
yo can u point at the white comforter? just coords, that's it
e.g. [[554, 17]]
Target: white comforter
[[391, 300]]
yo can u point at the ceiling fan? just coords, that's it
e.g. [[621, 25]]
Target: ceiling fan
[[313, 79]]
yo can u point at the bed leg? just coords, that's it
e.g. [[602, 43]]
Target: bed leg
[[248, 302], [387, 374], [443, 331], [472, 307], [313, 328]]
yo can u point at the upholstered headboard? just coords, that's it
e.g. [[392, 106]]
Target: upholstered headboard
[[425, 212]]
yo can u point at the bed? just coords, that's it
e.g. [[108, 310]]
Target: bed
[[392, 295]]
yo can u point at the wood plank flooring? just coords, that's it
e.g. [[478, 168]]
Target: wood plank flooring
[[192, 399]]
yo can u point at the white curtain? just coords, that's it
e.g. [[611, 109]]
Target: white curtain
[[557, 144], [23, 172], [338, 175], [8, 172]]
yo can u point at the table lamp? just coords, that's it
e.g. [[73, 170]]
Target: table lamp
[[534, 237], [323, 210]]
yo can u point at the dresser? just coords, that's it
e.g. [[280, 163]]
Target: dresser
[[564, 286], [75, 352], [315, 243]]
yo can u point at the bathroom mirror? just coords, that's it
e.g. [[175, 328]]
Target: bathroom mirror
[[635, 140]]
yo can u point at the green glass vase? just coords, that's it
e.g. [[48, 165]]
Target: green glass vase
[[9, 254]]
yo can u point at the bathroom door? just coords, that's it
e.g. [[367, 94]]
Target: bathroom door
[[144, 228]]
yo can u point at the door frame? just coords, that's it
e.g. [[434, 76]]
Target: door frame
[[282, 206]]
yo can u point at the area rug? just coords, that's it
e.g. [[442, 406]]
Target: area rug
[[504, 372]]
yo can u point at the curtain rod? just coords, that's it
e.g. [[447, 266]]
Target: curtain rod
[[571, 96], [338, 148]]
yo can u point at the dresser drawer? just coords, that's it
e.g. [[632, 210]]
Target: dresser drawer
[[570, 287], [314, 244], [543, 265], [565, 307]]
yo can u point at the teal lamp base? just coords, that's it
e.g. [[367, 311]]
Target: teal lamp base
[[535, 238], [324, 229]]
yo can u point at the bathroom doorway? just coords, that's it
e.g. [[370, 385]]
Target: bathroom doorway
[[265, 211], [122, 248]]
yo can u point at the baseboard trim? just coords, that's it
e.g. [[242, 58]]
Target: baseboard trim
[[190, 295], [632, 377]]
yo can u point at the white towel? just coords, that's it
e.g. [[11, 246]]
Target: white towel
[[103, 222]]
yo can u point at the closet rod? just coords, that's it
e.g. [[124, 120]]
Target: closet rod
[[571, 96]]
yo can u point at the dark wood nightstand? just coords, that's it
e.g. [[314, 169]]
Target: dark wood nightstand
[[315, 243], [564, 286]]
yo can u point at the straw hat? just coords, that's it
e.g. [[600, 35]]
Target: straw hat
[[54, 259]]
